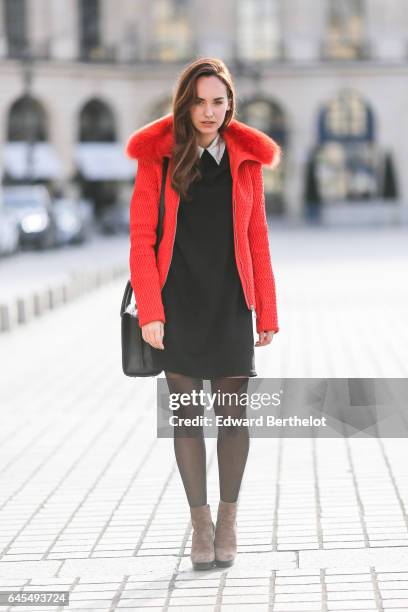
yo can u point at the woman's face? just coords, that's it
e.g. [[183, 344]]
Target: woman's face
[[209, 109]]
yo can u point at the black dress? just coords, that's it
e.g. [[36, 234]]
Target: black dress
[[209, 329]]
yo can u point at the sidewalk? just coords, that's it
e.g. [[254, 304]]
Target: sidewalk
[[92, 502], [34, 282]]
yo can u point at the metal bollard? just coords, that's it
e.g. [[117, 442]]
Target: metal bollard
[[5, 323], [38, 304], [21, 310], [66, 293]]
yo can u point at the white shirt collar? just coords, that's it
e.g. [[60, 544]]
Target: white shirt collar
[[216, 148]]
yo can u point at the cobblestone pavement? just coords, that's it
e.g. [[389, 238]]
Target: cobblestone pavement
[[91, 500]]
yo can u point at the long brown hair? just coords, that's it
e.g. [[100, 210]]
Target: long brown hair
[[185, 152]]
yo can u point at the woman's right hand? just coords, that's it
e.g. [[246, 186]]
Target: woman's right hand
[[153, 333]]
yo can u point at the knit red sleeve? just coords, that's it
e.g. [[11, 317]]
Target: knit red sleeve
[[144, 275], [265, 292]]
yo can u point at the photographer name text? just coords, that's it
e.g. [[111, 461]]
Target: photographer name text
[[259, 421]]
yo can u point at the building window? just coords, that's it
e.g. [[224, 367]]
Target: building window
[[16, 27], [346, 117], [89, 29], [27, 121], [348, 160], [345, 30], [258, 30], [97, 123], [171, 31]]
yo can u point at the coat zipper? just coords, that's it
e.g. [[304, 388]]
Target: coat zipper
[[250, 306], [172, 247]]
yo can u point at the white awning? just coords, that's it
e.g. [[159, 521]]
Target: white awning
[[104, 161], [42, 164]]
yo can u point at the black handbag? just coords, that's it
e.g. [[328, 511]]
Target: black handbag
[[137, 355]]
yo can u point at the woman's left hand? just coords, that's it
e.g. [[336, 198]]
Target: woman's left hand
[[265, 338]]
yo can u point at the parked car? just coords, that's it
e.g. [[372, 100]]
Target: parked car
[[115, 219], [87, 210], [73, 220], [32, 208], [9, 232]]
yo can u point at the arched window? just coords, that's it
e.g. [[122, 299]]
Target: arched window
[[172, 31], [267, 116], [345, 30], [27, 121], [28, 156], [96, 123], [348, 161], [15, 19], [346, 117], [101, 162], [89, 29], [258, 30]]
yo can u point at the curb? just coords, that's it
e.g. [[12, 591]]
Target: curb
[[23, 309]]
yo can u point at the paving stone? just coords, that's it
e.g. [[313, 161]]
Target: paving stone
[[305, 588], [28, 569], [88, 568], [349, 583], [297, 607], [398, 583], [236, 606], [350, 594], [86, 477], [179, 608], [298, 597], [249, 598], [245, 580], [395, 594], [142, 603], [393, 556], [190, 590], [352, 605], [246, 590]]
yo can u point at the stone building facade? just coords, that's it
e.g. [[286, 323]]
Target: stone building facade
[[328, 79]]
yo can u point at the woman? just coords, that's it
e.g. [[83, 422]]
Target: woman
[[213, 271]]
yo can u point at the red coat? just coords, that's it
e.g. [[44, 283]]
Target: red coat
[[248, 150]]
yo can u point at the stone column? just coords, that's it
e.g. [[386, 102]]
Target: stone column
[[296, 156], [214, 26], [3, 38], [303, 26], [387, 27], [64, 28], [128, 29], [39, 26], [300, 122]]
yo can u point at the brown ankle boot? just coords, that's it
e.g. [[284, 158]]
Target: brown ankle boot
[[202, 542], [225, 542]]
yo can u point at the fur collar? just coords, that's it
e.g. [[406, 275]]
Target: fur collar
[[155, 141]]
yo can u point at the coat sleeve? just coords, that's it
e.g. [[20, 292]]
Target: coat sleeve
[[144, 212], [264, 281]]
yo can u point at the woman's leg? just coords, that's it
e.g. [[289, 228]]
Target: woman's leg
[[233, 440], [189, 445]]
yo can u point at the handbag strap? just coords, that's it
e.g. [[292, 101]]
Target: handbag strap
[[127, 295], [159, 229]]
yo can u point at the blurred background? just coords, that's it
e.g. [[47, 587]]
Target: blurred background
[[326, 78]]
